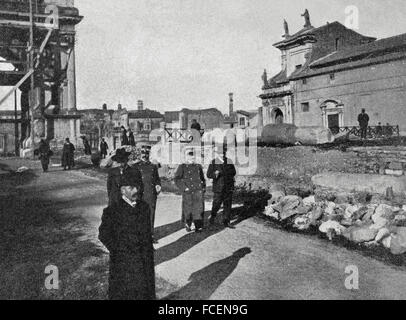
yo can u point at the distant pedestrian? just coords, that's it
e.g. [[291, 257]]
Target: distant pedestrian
[[125, 231], [44, 154], [86, 145], [151, 182], [196, 125], [131, 139], [103, 148], [363, 120], [68, 155], [115, 174], [124, 138], [189, 178], [379, 130], [222, 171]]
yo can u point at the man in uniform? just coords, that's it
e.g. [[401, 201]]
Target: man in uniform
[[151, 182], [223, 172], [189, 178], [115, 174], [44, 154], [126, 233]]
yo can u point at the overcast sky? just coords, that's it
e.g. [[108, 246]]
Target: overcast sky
[[192, 53]]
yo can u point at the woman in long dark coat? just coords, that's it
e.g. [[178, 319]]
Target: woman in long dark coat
[[126, 232], [68, 160]]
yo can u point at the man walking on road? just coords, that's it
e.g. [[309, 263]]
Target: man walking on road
[[126, 232], [189, 178], [68, 155], [44, 154], [151, 182], [103, 148], [363, 120], [223, 172], [115, 175]]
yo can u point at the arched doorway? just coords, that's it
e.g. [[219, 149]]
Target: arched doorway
[[277, 116], [333, 114]]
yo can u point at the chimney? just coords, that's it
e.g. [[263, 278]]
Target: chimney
[[104, 107], [231, 105], [140, 105]]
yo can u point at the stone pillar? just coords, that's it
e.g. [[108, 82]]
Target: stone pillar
[[69, 88], [260, 124]]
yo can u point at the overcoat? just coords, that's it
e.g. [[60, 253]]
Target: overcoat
[[126, 233], [68, 155], [190, 180], [225, 181]]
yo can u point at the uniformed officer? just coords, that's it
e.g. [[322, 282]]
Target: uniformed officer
[[189, 178], [151, 181], [115, 174]]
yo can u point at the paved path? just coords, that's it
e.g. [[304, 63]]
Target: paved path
[[252, 261]]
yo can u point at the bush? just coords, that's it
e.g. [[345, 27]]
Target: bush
[[96, 159]]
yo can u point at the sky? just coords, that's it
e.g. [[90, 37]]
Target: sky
[[192, 53]]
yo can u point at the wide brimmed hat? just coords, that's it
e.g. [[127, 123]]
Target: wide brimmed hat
[[121, 156]]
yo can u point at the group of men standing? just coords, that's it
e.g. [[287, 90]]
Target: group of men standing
[[127, 137], [127, 228]]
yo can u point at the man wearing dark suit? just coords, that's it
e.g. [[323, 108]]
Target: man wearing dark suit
[[126, 233], [151, 182], [363, 120], [223, 172], [115, 174]]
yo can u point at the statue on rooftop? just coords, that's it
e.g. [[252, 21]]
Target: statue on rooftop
[[286, 27], [306, 15], [265, 78]]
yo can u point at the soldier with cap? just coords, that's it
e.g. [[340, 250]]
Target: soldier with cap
[[222, 171], [115, 174], [151, 182], [126, 233], [189, 178]]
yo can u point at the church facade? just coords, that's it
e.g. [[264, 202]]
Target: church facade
[[328, 74]]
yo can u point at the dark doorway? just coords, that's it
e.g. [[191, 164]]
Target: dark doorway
[[278, 116], [334, 123]]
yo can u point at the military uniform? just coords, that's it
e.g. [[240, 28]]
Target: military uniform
[[150, 179], [190, 180]]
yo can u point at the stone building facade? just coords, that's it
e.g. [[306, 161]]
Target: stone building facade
[[209, 119], [330, 73]]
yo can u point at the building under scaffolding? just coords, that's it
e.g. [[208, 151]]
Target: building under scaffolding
[[37, 37]]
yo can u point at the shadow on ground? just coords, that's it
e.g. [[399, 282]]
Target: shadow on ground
[[205, 282]]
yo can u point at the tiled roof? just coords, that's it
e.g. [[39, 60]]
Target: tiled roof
[[375, 48]]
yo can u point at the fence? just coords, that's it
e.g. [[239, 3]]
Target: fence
[[374, 132]]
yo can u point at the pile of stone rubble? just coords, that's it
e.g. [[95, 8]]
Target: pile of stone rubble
[[372, 224]]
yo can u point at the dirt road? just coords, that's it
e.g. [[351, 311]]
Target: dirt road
[[52, 219]]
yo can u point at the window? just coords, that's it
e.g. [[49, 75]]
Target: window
[[332, 76], [337, 44], [304, 81], [242, 121], [305, 106], [298, 66]]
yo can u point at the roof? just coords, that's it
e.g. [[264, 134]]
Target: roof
[[380, 51], [145, 114], [379, 47], [311, 34], [9, 112]]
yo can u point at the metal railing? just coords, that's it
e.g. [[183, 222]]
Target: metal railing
[[180, 135], [373, 132]]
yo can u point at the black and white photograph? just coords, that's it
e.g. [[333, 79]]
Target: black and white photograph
[[204, 151]]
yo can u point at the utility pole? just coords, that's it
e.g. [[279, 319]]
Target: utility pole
[[16, 134], [31, 67]]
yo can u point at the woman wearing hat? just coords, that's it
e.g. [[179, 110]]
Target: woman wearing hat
[[126, 232], [115, 174], [189, 178]]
